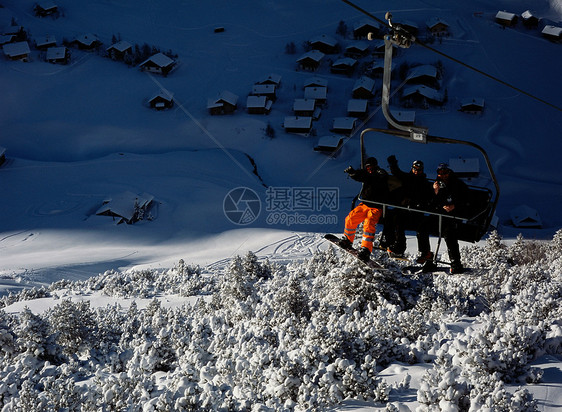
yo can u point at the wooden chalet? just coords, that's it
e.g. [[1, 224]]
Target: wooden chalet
[[267, 90], [329, 144], [58, 55], [297, 124], [45, 8], [529, 19], [506, 19], [364, 88], [225, 103], [319, 94], [472, 106], [525, 216], [437, 27], [126, 207], [304, 107], [362, 29], [357, 108], [87, 42], [424, 74], [345, 65], [274, 79], [158, 64], [422, 94], [344, 125], [552, 33], [325, 44], [310, 60], [44, 42], [17, 51], [258, 105], [119, 50], [357, 49], [161, 101]]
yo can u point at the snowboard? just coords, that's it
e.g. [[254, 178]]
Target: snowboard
[[354, 252]]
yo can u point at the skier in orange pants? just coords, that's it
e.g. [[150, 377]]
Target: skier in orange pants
[[375, 187]]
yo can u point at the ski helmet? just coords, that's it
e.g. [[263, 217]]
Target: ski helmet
[[371, 161], [418, 165]]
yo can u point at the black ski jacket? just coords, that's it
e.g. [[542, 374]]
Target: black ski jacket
[[416, 190], [454, 192], [375, 185]]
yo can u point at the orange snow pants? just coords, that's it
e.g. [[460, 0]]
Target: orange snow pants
[[371, 216]]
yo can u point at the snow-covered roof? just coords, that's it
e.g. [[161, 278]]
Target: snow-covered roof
[[366, 23], [228, 97], [345, 61], [16, 49], [123, 205], [364, 82], [6, 38], [358, 45], [528, 14], [45, 40], [324, 39], [313, 55], [297, 122], [525, 216], [163, 94], [120, 46], [345, 123], [263, 89], [332, 141], [318, 93], [424, 91], [56, 53], [316, 81], [87, 39], [254, 102], [407, 116], [304, 105], [423, 70], [550, 30], [357, 105], [504, 15], [475, 101], [12, 29], [159, 59], [46, 4], [270, 78]]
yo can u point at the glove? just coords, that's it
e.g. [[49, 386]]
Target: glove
[[349, 170], [392, 160]]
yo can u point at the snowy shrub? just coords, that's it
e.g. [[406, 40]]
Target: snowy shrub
[[73, 326], [300, 336]]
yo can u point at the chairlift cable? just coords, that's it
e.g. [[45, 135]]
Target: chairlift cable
[[415, 40]]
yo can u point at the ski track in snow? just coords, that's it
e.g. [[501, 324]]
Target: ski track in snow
[[297, 247]]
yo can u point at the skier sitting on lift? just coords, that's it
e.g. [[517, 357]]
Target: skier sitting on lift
[[450, 196], [375, 187], [414, 193]]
